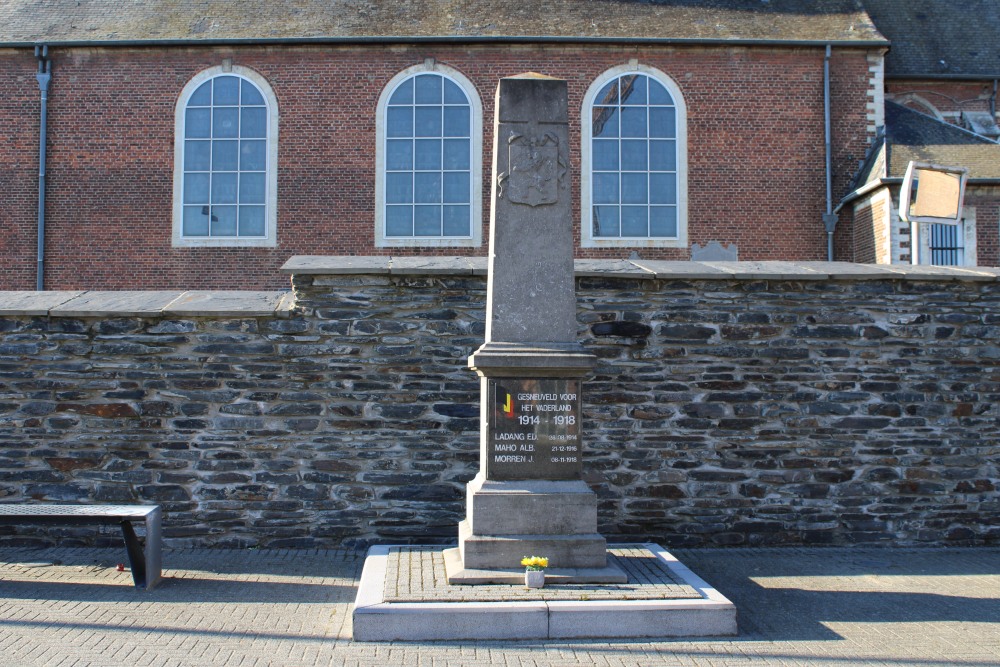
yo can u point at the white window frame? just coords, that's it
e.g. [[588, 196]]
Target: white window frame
[[588, 240], [270, 239], [967, 225], [476, 165]]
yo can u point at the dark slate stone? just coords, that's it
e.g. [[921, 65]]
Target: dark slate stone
[[460, 410], [621, 329], [685, 332]]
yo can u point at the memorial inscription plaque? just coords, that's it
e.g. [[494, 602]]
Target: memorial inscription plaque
[[534, 429]]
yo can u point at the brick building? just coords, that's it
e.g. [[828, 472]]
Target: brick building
[[940, 106], [202, 144]]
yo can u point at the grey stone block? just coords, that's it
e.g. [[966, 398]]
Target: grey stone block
[[486, 552], [225, 304], [767, 270], [524, 508], [116, 304], [33, 304], [672, 270], [319, 265], [610, 268]]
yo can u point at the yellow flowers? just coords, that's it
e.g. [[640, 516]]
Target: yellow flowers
[[535, 563]]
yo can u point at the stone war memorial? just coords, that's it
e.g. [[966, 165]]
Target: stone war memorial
[[529, 497]]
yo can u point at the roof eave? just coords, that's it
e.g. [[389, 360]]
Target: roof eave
[[449, 39], [942, 77]]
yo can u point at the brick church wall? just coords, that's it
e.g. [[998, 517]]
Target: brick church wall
[[755, 146]]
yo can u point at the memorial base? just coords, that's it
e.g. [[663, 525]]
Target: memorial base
[[662, 600]]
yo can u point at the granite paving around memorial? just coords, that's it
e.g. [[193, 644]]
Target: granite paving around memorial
[[417, 574], [797, 606]]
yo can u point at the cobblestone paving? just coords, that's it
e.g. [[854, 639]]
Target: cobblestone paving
[[417, 574], [823, 607]]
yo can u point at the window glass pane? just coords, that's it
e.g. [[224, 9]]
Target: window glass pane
[[427, 154], [223, 221], [202, 97], [253, 123], [427, 221], [608, 94], [197, 123], [453, 94], [252, 155], [224, 188], [606, 122], [427, 188], [197, 155], [427, 89], [663, 122], [606, 221], [403, 93], [633, 89], [663, 221], [249, 94], [399, 221], [663, 155], [225, 155], [658, 93], [634, 221], [634, 189], [456, 188], [606, 189], [195, 222], [227, 90], [456, 154], [225, 123], [252, 188], [456, 122], [634, 156], [634, 122], [251, 221], [399, 188], [427, 121], [606, 155], [399, 122], [196, 188], [399, 154], [457, 221], [663, 188]]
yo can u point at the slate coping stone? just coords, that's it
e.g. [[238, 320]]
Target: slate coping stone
[[212, 303], [33, 304], [677, 270], [117, 304], [611, 268]]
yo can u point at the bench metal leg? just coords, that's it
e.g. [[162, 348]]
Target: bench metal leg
[[153, 549], [144, 560], [136, 556]]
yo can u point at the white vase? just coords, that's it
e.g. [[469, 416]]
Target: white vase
[[534, 578]]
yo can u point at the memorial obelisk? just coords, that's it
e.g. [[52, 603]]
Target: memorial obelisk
[[529, 497]]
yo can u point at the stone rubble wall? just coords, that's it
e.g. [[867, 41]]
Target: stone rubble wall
[[733, 403]]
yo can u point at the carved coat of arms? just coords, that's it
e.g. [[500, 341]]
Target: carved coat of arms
[[535, 170]]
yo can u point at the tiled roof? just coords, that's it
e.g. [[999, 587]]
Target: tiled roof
[[912, 135], [933, 38], [72, 21]]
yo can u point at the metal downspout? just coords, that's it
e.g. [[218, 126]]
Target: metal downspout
[[829, 218], [44, 76]]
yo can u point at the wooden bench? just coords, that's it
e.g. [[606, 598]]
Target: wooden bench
[[144, 561]]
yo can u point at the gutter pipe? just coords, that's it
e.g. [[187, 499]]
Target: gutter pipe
[[829, 218], [44, 76]]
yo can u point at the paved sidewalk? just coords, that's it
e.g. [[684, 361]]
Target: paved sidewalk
[[822, 607]]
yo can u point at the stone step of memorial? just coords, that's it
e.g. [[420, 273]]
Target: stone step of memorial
[[500, 552]]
